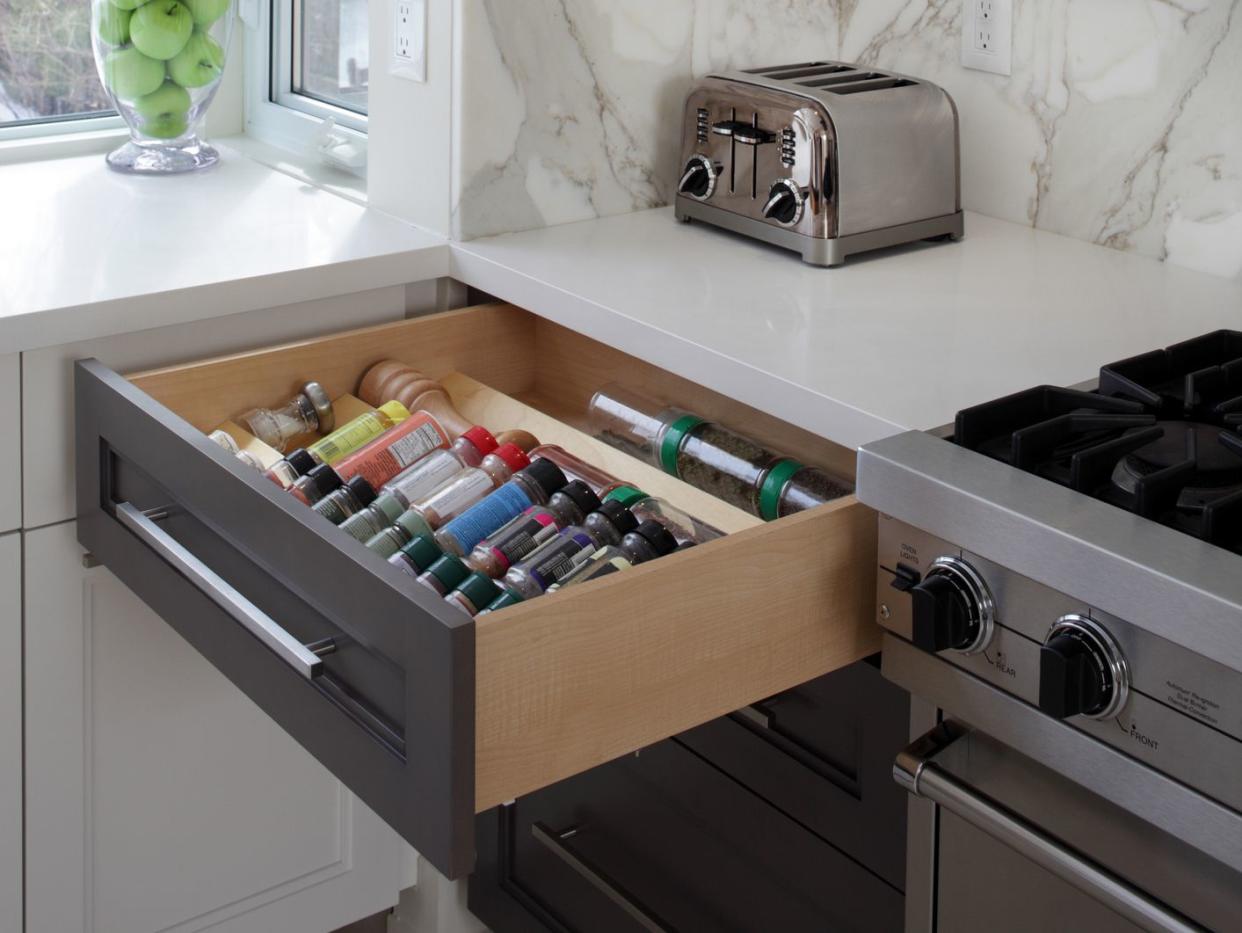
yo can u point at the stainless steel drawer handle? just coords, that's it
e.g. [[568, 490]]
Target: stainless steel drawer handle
[[915, 769], [614, 892], [301, 658]]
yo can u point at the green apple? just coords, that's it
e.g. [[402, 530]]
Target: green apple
[[113, 24], [127, 4], [129, 74], [163, 111], [199, 63], [161, 28], [206, 12]]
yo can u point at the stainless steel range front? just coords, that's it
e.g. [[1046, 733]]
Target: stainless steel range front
[[1060, 575]]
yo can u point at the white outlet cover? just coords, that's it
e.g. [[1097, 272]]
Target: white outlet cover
[[994, 18], [409, 40]]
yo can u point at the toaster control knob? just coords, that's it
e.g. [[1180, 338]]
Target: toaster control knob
[[952, 608], [698, 179], [1082, 671], [785, 203]]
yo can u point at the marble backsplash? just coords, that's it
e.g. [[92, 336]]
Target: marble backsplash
[[1121, 123]]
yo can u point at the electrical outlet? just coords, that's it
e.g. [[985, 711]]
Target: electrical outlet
[[987, 35], [409, 39]]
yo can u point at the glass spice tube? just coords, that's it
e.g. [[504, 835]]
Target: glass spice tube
[[609, 523], [600, 481], [551, 563], [647, 542], [346, 500], [393, 451], [249, 459], [681, 525], [308, 411], [506, 598], [286, 472], [407, 526], [379, 515], [444, 575], [473, 594], [530, 486], [605, 561], [507, 545], [427, 474], [225, 440], [316, 484], [416, 555], [470, 485], [473, 445], [357, 433]]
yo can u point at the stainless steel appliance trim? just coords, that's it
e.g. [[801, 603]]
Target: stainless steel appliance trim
[[217, 589], [1159, 579], [916, 770], [1109, 651], [555, 842], [773, 196], [1169, 805], [713, 172]]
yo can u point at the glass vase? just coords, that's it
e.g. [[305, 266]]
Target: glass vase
[[160, 62]]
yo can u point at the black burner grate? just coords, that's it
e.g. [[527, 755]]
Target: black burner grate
[[1162, 436]]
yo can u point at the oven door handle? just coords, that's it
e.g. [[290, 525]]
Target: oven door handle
[[915, 769]]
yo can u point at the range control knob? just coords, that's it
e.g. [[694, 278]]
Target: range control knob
[[1082, 671], [952, 608], [698, 178], [785, 203]]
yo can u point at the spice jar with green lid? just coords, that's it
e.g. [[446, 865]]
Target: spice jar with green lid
[[445, 575], [406, 527], [474, 593], [506, 598], [417, 555], [376, 517]]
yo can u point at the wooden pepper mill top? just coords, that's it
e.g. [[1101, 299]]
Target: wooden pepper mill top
[[392, 380]]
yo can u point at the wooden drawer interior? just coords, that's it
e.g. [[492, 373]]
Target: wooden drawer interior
[[572, 680]]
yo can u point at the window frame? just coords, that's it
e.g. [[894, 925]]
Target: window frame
[[274, 113], [74, 124]]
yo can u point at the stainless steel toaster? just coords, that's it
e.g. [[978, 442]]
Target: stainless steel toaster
[[824, 158]]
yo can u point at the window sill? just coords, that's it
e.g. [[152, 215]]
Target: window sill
[[61, 145], [302, 166]]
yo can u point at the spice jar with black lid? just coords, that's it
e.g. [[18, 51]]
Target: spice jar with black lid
[[346, 500], [316, 484]]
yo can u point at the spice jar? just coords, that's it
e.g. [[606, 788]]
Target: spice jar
[[375, 518], [285, 472], [419, 553], [423, 477], [573, 467], [507, 545], [316, 484], [444, 575], [224, 439], [393, 451], [506, 598], [530, 486], [407, 526], [473, 594], [605, 561], [647, 542], [556, 559], [308, 411], [609, 523], [356, 494], [681, 525], [357, 433], [470, 485], [710, 456]]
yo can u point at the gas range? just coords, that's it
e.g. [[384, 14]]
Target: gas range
[[1061, 570]]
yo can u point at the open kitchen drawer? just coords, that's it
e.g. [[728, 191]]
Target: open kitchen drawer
[[427, 715]]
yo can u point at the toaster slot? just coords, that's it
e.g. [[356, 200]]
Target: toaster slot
[[808, 70], [877, 85], [849, 77]]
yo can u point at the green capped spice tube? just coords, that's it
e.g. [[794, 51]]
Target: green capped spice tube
[[445, 575], [474, 594], [375, 518], [709, 456], [406, 527], [506, 598], [417, 555]]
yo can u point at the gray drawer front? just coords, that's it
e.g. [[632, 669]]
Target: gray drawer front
[[391, 713]]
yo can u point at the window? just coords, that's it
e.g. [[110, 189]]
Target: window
[[307, 62], [48, 81]]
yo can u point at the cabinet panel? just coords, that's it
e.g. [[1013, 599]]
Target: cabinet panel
[[11, 463], [159, 797], [10, 733], [47, 379]]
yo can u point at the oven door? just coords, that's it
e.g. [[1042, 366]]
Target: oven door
[[1033, 826]]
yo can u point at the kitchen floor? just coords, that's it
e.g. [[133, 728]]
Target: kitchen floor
[[376, 924]]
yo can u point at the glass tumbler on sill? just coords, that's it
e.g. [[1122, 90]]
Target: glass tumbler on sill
[[161, 62]]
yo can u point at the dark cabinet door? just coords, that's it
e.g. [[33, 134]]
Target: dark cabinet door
[[664, 840]]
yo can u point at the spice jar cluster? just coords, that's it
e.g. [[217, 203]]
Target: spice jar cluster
[[488, 520]]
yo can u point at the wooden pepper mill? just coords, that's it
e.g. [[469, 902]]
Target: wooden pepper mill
[[392, 380]]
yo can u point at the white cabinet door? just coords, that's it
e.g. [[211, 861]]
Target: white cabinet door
[[158, 797], [10, 733]]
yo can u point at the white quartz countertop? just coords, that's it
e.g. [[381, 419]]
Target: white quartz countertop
[[86, 252], [890, 341]]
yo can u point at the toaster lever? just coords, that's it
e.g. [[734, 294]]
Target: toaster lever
[[743, 133]]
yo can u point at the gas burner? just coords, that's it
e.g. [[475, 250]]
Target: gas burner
[[1160, 437]]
